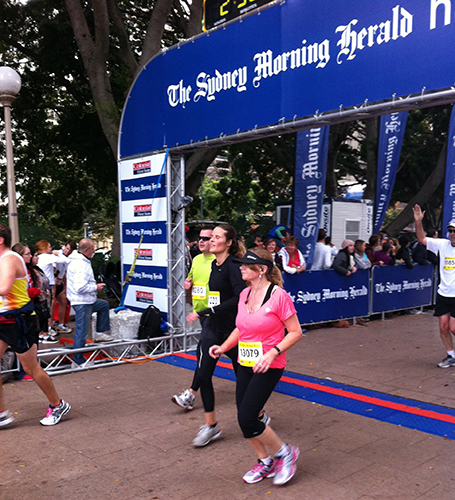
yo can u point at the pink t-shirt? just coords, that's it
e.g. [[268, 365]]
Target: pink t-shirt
[[266, 324]]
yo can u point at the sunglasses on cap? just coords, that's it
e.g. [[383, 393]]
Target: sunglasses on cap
[[204, 238]]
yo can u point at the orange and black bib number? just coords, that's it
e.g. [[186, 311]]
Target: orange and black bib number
[[249, 353]]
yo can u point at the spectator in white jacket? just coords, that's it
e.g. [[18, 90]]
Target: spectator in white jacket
[[82, 292], [293, 260], [322, 258]]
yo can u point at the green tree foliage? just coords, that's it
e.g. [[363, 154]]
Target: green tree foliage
[[258, 173], [66, 122]]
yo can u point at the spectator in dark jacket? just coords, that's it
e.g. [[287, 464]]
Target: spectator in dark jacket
[[344, 262], [404, 253], [419, 253]]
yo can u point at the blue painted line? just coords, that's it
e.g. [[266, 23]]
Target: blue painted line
[[432, 419]]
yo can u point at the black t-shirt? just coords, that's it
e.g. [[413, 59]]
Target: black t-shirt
[[227, 280]]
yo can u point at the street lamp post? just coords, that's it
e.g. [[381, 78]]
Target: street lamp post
[[10, 84]]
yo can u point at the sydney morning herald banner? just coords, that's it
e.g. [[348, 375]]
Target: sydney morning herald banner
[[143, 214], [327, 295], [449, 186], [396, 287], [296, 59], [309, 185], [391, 134]]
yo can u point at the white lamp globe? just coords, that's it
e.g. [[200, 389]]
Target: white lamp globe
[[10, 81]]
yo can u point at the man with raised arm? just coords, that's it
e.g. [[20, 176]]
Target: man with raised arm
[[445, 300], [19, 329]]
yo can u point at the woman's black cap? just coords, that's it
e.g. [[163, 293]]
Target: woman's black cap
[[252, 258]]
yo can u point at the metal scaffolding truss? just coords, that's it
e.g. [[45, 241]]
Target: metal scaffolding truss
[[177, 245], [287, 125], [58, 360]]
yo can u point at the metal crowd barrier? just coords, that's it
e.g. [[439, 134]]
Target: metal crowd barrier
[[325, 296], [318, 296], [58, 360]]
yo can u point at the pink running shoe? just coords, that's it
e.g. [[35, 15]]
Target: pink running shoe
[[285, 466], [258, 472]]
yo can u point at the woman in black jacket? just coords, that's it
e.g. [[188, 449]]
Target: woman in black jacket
[[344, 262], [225, 285]]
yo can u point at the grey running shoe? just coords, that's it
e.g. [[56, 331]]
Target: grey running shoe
[[103, 337], [62, 328], [53, 332], [447, 362], [6, 418], [285, 466], [206, 434], [54, 415], [265, 418], [258, 472], [185, 400]]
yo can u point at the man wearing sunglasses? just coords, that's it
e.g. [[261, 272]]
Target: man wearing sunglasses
[[197, 280], [445, 300]]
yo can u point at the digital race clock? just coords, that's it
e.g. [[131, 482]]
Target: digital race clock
[[217, 12]]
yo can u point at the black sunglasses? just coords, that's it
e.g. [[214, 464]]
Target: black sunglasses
[[451, 230], [204, 238]]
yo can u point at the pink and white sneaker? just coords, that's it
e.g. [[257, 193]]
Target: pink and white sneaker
[[258, 472]]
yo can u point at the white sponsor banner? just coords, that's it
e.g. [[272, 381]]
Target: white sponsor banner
[[141, 297], [146, 165], [145, 210], [149, 254]]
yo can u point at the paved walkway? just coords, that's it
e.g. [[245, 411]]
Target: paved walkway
[[124, 438]]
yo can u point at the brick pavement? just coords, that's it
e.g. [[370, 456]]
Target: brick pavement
[[125, 439]]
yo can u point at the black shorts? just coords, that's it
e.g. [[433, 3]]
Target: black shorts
[[444, 305], [59, 289], [20, 339]]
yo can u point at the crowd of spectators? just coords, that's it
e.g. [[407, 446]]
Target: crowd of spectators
[[380, 250]]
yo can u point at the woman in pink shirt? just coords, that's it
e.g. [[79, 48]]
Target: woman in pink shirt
[[265, 310]]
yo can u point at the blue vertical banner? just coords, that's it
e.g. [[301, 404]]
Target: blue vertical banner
[[310, 169], [449, 187], [391, 134]]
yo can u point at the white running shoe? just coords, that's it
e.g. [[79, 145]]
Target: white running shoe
[[103, 337], [185, 400], [206, 434], [258, 472], [285, 466], [6, 418], [54, 414], [49, 339]]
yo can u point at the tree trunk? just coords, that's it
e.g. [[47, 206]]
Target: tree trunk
[[95, 52], [338, 134], [436, 177]]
